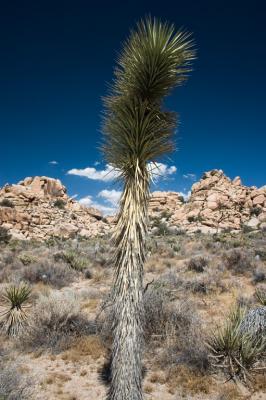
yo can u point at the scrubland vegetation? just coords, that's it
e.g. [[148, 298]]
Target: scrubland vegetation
[[204, 321]]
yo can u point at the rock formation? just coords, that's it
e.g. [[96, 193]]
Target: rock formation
[[218, 202], [40, 208]]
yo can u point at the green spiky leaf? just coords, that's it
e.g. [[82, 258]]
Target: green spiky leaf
[[15, 302], [136, 128]]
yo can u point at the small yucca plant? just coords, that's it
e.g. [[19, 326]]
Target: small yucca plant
[[15, 302], [235, 350]]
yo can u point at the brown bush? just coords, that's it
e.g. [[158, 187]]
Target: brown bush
[[55, 322], [238, 261]]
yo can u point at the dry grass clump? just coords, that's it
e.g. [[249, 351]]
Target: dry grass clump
[[49, 273], [55, 322], [238, 260], [13, 385], [183, 379], [85, 346], [229, 392]]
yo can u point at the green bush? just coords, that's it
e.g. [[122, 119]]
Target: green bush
[[59, 203], [255, 211], [73, 260], [6, 203], [4, 235], [26, 259], [162, 227]]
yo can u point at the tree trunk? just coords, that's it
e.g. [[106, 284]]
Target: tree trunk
[[129, 237]]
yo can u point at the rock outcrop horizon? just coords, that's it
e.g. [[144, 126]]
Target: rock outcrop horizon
[[39, 208]]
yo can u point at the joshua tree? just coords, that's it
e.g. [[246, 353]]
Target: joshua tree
[[137, 132]]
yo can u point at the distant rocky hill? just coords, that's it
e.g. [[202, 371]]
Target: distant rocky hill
[[39, 208], [216, 203]]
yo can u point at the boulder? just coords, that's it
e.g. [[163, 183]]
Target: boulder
[[42, 208]]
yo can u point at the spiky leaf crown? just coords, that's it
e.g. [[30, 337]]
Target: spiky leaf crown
[[136, 129]]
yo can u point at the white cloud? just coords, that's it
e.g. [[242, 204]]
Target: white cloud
[[186, 195], [53, 162], [89, 202], [108, 174], [158, 171], [110, 196], [190, 176], [110, 201], [86, 201]]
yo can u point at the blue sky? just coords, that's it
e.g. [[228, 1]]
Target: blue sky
[[56, 60]]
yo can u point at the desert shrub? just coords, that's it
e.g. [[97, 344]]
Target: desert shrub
[[238, 261], [178, 325], [55, 322], [174, 325], [198, 264], [247, 229], [13, 385], [209, 281], [4, 235], [59, 203], [58, 275], [72, 259], [6, 203], [26, 259], [162, 228], [194, 218], [191, 218], [15, 302], [156, 313], [235, 347], [166, 214], [88, 274], [212, 246], [255, 211]]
